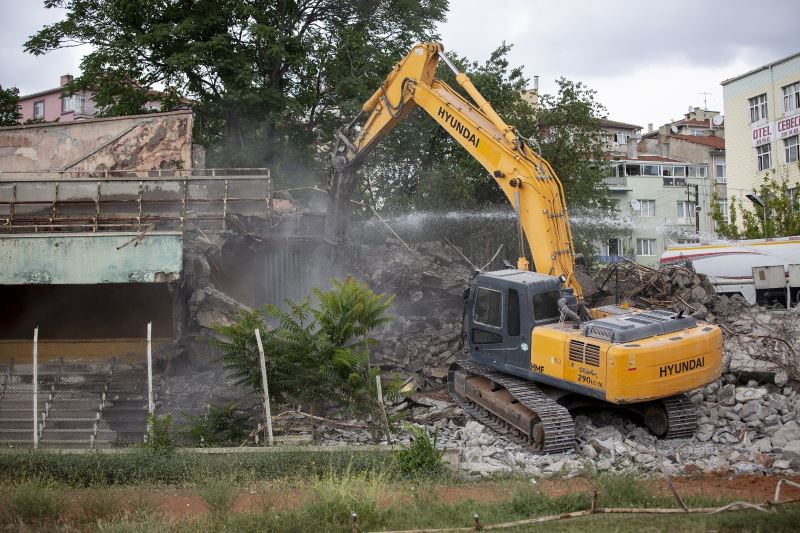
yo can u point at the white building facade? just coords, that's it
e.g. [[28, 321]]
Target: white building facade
[[762, 123]]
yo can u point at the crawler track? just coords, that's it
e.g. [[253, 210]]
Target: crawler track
[[544, 426], [555, 428], [681, 417]]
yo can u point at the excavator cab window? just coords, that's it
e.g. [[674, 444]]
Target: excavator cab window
[[488, 307], [545, 305]]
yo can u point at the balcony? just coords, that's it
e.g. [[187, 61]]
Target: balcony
[[617, 183]]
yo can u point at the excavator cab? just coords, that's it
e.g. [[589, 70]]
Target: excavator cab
[[501, 310]]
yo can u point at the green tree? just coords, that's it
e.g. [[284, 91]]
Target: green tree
[[316, 353], [572, 142], [782, 205], [267, 79], [419, 166], [9, 106]]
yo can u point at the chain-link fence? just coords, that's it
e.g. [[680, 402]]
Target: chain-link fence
[[72, 393], [57, 393]]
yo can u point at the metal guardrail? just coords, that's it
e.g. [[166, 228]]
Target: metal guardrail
[[130, 199]]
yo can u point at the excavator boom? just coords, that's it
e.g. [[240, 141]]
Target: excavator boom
[[527, 180]]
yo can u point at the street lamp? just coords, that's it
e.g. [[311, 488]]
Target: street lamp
[[762, 203]]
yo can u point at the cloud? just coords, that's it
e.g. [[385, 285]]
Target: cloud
[[27, 72], [648, 61]]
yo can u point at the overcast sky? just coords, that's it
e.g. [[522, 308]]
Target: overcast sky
[[648, 61]]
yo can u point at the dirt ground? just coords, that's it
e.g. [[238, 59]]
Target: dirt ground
[[186, 502]]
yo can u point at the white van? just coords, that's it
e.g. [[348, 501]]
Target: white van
[[730, 265]]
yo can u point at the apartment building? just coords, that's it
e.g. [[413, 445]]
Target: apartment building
[[762, 119], [657, 181], [50, 105]]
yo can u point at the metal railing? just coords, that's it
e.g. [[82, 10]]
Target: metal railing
[[112, 200], [615, 181]]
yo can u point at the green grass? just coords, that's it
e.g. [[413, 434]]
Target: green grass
[[319, 493]]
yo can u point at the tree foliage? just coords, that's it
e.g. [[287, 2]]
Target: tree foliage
[[268, 79], [782, 204], [9, 106], [316, 353], [419, 166]]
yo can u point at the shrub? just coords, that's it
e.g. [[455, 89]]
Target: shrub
[[421, 457], [223, 425], [159, 433]]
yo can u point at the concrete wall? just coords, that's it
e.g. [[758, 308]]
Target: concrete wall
[[743, 174], [143, 142], [90, 258]]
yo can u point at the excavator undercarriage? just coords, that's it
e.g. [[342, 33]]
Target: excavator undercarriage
[[539, 418]]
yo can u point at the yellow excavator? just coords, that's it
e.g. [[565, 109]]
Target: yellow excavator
[[535, 352]]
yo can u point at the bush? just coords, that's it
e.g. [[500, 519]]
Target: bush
[[222, 425], [159, 433], [421, 457], [139, 466]]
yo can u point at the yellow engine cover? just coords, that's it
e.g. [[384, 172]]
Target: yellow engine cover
[[621, 373]]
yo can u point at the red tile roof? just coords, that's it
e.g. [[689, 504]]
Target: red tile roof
[[711, 141]]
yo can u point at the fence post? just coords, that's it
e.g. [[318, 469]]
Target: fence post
[[150, 403], [383, 408], [266, 388], [35, 387]]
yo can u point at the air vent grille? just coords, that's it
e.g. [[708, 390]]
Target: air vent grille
[[581, 352]]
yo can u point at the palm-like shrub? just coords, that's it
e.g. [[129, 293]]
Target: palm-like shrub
[[316, 352]]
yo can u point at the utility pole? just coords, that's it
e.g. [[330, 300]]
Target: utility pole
[[697, 207]]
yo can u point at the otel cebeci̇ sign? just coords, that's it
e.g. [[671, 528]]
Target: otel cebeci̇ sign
[[780, 129]]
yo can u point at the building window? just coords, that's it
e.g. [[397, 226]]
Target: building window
[[633, 170], [721, 171], [38, 110], [723, 207], [622, 138], [79, 103], [792, 149], [764, 156], [645, 247], [67, 104], [647, 208], [698, 133], [674, 182], [791, 97], [685, 209], [758, 108], [650, 170]]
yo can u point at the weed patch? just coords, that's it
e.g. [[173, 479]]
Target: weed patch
[[33, 503]]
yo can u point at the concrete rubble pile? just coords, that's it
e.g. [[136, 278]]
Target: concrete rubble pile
[[428, 284], [749, 419]]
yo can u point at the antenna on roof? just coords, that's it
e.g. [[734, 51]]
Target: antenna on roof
[[705, 100]]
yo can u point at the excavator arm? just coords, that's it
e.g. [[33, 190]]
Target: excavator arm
[[527, 180]]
